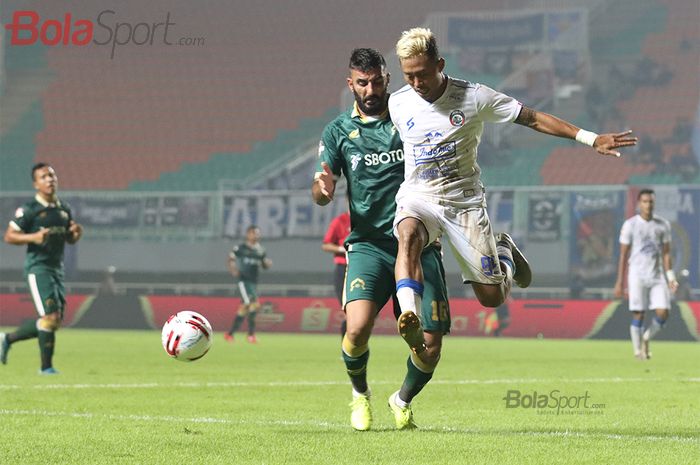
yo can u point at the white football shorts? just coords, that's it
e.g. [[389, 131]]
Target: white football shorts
[[468, 232], [648, 294]]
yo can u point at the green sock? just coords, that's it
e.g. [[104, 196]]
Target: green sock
[[357, 370], [26, 330], [414, 382], [46, 344], [251, 322]]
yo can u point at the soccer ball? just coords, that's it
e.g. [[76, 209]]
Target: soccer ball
[[186, 336]]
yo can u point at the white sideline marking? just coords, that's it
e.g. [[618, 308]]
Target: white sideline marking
[[335, 383], [328, 425]]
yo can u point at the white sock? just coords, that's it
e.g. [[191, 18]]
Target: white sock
[[653, 328], [399, 402], [408, 300], [356, 394], [636, 335]]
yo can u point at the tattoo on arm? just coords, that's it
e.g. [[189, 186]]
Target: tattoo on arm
[[526, 117]]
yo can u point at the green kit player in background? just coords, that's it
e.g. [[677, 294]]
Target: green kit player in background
[[244, 263], [44, 224], [363, 145]]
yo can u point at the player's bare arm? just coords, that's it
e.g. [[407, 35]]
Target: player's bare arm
[[15, 237], [605, 144], [323, 188], [332, 248], [622, 270], [668, 268]]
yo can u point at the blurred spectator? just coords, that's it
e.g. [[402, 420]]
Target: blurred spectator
[[682, 131], [595, 102], [650, 151], [685, 164], [684, 291], [576, 286], [685, 45], [108, 285], [503, 315], [649, 72]]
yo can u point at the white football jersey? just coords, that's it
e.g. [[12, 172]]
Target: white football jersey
[[646, 240], [441, 139]]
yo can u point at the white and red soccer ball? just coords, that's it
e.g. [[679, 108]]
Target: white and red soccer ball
[[187, 336]]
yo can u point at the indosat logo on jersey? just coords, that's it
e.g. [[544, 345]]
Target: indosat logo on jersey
[[28, 28]]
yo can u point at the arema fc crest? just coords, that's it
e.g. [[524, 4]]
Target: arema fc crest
[[457, 118]]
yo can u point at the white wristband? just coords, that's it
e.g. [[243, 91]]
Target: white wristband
[[586, 137], [670, 276]]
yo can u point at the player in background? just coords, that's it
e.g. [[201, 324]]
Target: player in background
[[244, 263], [440, 120], [334, 242], [44, 224], [362, 145], [645, 257]]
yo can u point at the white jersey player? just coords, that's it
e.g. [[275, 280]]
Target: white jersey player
[[440, 120], [645, 256]]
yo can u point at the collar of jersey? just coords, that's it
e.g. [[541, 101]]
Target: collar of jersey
[[41, 200], [356, 114]]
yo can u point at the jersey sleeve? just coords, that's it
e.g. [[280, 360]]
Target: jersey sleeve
[[626, 233], [329, 151], [495, 107], [22, 219]]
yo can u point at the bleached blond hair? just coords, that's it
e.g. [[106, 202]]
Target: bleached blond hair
[[417, 41]]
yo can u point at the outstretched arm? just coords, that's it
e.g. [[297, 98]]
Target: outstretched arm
[[605, 144]]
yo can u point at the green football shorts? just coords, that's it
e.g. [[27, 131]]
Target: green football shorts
[[249, 291], [48, 292], [370, 276]]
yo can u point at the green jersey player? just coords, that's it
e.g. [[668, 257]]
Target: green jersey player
[[363, 145], [44, 225], [244, 263]]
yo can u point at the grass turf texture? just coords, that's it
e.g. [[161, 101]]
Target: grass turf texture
[[119, 400]]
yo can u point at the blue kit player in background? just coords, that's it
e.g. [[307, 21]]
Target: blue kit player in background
[[44, 225], [645, 257]]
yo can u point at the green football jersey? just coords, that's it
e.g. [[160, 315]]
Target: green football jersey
[[249, 260], [369, 153], [37, 214]]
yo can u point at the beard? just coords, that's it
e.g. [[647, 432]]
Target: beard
[[372, 106]]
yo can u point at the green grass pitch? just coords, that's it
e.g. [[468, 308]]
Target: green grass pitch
[[119, 399]]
